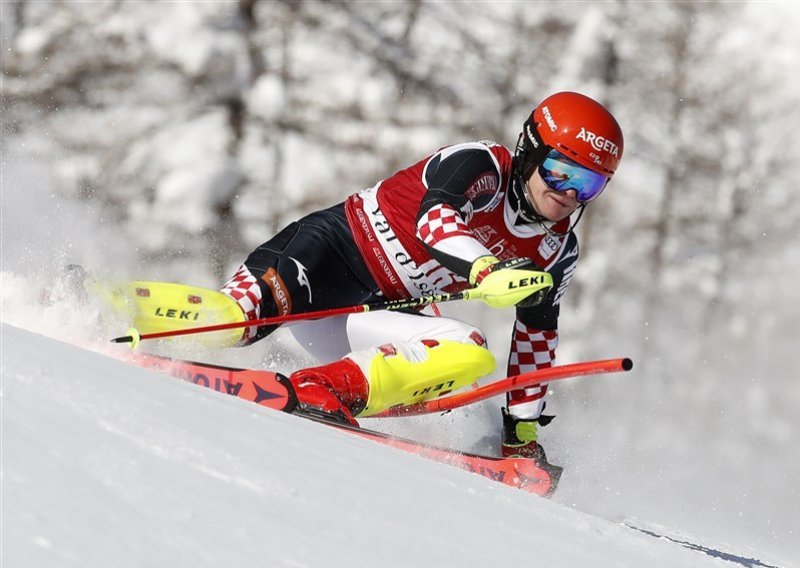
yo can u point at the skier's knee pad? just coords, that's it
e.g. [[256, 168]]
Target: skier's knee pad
[[407, 373]]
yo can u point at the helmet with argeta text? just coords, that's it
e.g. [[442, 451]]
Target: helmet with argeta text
[[574, 125]]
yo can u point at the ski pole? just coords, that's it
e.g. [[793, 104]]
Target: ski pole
[[523, 284]]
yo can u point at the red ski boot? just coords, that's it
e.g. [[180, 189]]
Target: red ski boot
[[520, 441], [335, 391]]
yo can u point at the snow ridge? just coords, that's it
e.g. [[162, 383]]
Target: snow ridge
[[108, 464]]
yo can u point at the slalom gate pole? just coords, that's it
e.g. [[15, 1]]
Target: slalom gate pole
[[502, 386]]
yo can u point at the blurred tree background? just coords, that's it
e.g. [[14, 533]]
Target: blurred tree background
[[198, 129]]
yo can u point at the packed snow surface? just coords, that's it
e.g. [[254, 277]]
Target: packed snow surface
[[105, 464]]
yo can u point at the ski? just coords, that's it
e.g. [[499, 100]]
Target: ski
[[274, 391], [264, 388], [521, 473]]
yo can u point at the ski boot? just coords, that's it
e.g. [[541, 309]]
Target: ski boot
[[332, 392], [520, 441]]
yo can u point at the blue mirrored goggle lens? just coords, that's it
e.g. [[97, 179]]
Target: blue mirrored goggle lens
[[562, 174]]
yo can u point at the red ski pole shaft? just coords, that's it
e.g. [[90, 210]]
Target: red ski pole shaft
[[502, 386], [277, 320], [523, 284]]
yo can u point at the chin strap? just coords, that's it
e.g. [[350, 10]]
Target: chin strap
[[552, 233]]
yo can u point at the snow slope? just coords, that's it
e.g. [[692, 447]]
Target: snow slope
[[104, 464]]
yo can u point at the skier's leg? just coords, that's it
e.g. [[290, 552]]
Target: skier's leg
[[368, 382], [419, 358], [333, 338], [376, 328], [310, 265], [324, 339]]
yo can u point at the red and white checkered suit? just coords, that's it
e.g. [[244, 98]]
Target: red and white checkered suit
[[531, 350], [243, 287], [441, 222]]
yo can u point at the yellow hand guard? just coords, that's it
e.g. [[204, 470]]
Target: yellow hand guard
[[508, 287], [506, 284]]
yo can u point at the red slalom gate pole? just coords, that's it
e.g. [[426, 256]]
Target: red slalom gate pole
[[502, 386]]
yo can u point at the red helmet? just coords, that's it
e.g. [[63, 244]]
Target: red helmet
[[580, 128], [574, 125]]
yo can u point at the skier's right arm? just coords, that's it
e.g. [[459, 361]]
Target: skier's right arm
[[446, 207]]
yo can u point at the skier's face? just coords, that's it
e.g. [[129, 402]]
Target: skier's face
[[551, 204]]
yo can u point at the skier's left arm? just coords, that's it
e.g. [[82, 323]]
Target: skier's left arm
[[535, 337]]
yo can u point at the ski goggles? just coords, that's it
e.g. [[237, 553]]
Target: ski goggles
[[562, 174]]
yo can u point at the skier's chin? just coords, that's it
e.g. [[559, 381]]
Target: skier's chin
[[554, 209]]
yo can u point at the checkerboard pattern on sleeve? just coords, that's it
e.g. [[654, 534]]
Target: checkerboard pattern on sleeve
[[531, 350], [243, 287], [441, 222]]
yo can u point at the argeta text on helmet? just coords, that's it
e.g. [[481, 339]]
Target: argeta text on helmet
[[598, 142]]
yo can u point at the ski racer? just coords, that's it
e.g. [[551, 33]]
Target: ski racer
[[467, 214]]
